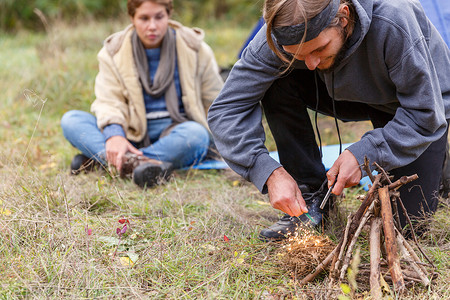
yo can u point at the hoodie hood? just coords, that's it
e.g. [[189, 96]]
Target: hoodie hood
[[363, 19]]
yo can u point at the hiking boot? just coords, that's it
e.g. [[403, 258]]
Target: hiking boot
[[81, 163], [131, 162], [152, 173], [287, 225]]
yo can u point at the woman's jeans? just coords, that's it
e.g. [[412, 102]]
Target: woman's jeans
[[285, 106], [185, 145]]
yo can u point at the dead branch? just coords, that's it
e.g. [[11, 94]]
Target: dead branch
[[413, 234], [341, 250], [422, 276], [366, 168], [375, 235], [353, 241], [402, 181], [411, 251], [310, 277], [390, 240]]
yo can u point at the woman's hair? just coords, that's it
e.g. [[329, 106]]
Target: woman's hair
[[279, 13], [132, 5]]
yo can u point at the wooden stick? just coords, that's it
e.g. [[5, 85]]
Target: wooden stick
[[342, 248], [352, 244], [411, 252], [394, 195], [413, 234], [416, 268], [388, 277], [319, 268], [375, 235], [366, 203], [402, 181], [355, 220], [366, 168], [382, 171], [390, 240]]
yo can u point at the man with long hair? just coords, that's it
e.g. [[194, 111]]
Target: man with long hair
[[374, 60]]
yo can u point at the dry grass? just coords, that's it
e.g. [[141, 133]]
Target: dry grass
[[303, 251]]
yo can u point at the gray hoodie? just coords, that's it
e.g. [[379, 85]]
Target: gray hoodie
[[397, 62]]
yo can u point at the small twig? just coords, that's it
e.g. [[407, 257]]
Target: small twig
[[375, 235], [412, 252], [413, 234], [342, 249], [394, 198], [402, 181], [319, 268], [422, 276], [382, 171], [353, 241], [355, 219], [366, 168]]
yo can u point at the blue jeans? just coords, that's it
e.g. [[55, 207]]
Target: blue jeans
[[186, 145]]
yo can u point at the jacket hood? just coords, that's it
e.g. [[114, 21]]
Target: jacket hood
[[363, 19], [193, 37]]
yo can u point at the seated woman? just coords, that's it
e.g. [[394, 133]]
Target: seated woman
[[156, 81]]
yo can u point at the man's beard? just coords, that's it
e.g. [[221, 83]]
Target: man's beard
[[341, 53]]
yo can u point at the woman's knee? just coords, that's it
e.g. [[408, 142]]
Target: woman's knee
[[73, 118], [194, 132]]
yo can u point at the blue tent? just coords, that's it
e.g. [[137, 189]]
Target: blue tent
[[438, 11]]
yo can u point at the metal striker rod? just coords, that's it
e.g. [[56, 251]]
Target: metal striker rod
[[325, 199]]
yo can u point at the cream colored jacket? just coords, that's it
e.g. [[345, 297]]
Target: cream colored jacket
[[118, 91]]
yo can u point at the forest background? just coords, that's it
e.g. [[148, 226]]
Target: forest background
[[195, 237]]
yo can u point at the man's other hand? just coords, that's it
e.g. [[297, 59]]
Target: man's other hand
[[347, 171], [284, 193]]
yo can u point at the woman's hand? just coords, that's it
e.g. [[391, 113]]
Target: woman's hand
[[116, 147], [284, 193], [347, 171]]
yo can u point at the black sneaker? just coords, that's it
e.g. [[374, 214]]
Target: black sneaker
[[81, 163], [288, 225], [150, 174]]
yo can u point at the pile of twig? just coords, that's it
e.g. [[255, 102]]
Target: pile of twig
[[392, 256]]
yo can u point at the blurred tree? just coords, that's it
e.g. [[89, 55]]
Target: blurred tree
[[15, 14]]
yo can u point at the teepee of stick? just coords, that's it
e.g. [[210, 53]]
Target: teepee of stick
[[391, 255]]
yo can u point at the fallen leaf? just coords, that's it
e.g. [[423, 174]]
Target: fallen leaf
[[126, 261], [4, 211], [262, 202], [225, 238], [235, 183], [345, 288]]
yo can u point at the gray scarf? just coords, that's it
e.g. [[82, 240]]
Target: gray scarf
[[163, 82]]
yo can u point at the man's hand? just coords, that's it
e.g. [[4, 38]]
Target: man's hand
[[347, 167], [284, 193], [116, 147]]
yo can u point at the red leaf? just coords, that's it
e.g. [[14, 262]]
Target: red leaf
[[124, 229], [122, 221], [118, 231], [88, 230], [225, 238]]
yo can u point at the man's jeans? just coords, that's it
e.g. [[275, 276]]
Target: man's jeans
[[185, 145], [285, 106]]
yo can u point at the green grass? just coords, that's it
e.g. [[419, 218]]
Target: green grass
[[176, 234]]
